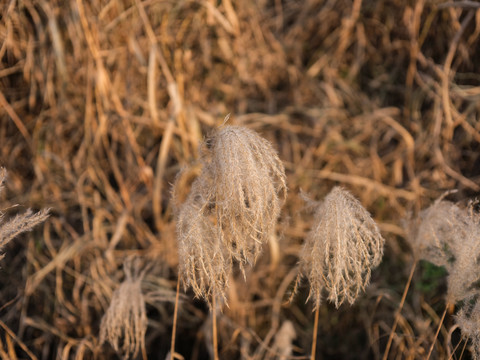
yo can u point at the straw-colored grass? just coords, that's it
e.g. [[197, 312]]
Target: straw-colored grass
[[102, 103]]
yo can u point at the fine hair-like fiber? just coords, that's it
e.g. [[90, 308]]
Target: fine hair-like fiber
[[125, 322], [231, 210], [20, 223], [342, 247]]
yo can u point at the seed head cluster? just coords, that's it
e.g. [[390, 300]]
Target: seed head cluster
[[448, 235], [341, 249], [125, 322], [232, 208]]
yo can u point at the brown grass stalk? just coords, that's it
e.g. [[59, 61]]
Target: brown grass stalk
[[315, 334], [399, 311], [175, 316], [440, 324]]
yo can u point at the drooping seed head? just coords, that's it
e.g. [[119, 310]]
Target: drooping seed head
[[125, 322], [447, 235], [231, 210], [341, 249], [20, 223], [249, 186]]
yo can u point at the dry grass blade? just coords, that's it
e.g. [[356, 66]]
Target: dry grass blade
[[125, 323], [341, 249], [100, 101]]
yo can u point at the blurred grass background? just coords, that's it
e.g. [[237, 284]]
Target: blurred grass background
[[103, 102]]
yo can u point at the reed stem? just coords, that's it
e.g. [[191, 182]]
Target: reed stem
[[315, 334], [214, 328], [399, 310], [175, 314]]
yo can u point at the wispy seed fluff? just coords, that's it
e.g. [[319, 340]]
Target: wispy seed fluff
[[468, 319], [249, 185], [125, 322], [204, 262], [20, 223], [447, 235], [232, 208], [341, 249]]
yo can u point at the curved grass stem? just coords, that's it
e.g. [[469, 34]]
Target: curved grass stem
[[399, 310], [438, 331]]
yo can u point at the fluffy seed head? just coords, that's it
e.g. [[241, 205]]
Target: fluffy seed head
[[431, 234], [341, 249], [125, 323], [468, 319], [204, 263], [447, 235], [20, 223], [231, 210], [249, 185]]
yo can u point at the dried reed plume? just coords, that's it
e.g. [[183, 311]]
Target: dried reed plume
[[249, 185], [20, 223], [126, 320], [447, 235], [468, 319], [204, 263], [341, 249], [231, 210]]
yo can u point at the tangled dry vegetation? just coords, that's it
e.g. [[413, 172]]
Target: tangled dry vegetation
[[103, 103]]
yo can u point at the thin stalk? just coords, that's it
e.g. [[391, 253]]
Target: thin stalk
[[175, 313], [214, 328], [399, 310], [315, 334], [438, 331]]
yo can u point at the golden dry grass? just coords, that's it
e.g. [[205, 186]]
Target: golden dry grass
[[103, 102]]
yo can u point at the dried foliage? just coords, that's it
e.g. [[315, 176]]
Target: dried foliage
[[448, 235], [20, 223], [125, 322], [102, 103], [433, 233], [231, 211], [248, 188], [204, 262], [341, 249], [468, 318]]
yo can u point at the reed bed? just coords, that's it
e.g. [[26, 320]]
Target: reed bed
[[103, 103]]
